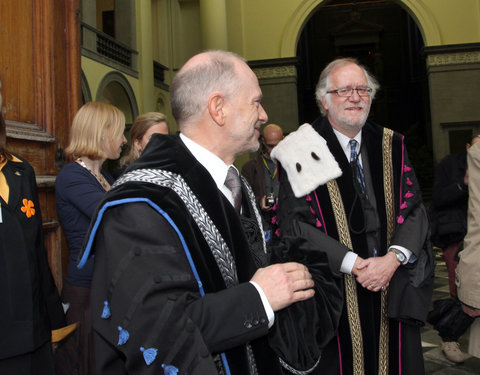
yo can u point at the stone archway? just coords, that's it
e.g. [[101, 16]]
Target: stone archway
[[86, 93], [424, 19], [115, 89]]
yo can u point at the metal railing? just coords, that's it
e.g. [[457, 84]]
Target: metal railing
[[159, 73], [99, 44]]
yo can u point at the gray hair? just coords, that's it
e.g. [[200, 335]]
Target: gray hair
[[323, 81], [192, 87]]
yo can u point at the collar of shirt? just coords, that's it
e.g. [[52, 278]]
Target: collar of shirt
[[212, 163], [344, 143]]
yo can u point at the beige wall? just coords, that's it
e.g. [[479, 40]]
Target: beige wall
[[457, 21]]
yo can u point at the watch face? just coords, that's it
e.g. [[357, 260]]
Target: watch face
[[400, 256]]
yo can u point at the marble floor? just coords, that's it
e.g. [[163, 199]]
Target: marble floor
[[435, 361]]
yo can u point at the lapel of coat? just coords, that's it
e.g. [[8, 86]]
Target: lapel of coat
[[13, 172]]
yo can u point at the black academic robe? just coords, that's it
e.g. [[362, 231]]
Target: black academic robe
[[170, 290], [312, 217]]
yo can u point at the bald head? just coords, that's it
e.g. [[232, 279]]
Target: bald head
[[201, 76], [216, 100], [272, 134]]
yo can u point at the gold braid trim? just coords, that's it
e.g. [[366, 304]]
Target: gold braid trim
[[389, 201], [350, 283], [388, 181]]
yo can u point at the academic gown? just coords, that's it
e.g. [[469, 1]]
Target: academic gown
[[312, 217], [170, 290]]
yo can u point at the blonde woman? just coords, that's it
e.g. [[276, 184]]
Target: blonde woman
[[142, 130], [96, 135]]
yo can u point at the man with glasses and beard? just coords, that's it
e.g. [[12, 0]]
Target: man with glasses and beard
[[347, 186]]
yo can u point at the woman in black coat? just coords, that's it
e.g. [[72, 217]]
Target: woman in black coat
[[31, 306]]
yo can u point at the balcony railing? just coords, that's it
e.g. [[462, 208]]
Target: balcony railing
[[159, 74], [109, 51]]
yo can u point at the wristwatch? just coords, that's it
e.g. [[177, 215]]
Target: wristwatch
[[400, 256]]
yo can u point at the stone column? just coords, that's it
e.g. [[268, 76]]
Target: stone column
[[453, 75], [89, 12], [213, 18], [145, 63]]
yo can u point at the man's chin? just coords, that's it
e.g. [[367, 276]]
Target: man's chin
[[254, 147], [357, 123]]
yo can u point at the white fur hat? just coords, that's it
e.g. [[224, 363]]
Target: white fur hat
[[305, 156]]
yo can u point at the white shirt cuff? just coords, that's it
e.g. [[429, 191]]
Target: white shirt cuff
[[266, 304], [348, 262]]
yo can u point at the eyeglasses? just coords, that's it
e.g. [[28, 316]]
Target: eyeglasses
[[346, 92]]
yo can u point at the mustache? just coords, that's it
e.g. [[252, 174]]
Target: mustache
[[358, 106]]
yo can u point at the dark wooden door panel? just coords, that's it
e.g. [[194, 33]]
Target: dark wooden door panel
[[41, 89]]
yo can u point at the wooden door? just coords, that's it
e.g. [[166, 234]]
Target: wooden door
[[41, 90]]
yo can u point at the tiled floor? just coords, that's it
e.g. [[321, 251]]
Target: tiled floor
[[435, 361]]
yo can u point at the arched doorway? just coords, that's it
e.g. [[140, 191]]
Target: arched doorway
[[116, 90], [86, 93], [385, 38]]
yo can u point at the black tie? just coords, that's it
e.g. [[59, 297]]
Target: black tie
[[232, 182]]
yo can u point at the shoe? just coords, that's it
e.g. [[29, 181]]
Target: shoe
[[452, 351]]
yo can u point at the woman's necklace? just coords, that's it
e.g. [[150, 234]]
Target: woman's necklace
[[99, 177]]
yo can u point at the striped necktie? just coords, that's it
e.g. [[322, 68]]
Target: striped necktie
[[356, 166], [232, 182]]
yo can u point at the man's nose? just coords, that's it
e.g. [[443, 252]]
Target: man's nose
[[354, 97], [263, 118]]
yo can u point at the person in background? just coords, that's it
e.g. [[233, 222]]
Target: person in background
[[261, 174], [347, 186], [95, 136], [449, 226], [142, 130], [468, 269], [31, 306], [182, 282]]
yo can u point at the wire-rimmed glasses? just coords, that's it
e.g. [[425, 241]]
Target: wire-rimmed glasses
[[346, 92]]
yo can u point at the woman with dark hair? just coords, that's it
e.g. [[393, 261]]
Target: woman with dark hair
[[95, 136], [31, 307]]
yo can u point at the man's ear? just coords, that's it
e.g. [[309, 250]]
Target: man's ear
[[325, 104], [216, 108]]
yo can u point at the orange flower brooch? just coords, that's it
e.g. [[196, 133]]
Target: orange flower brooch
[[28, 208]]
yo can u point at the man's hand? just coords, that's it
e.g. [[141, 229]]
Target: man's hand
[[263, 205], [284, 284], [355, 271], [471, 311], [376, 272]]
